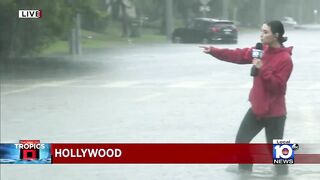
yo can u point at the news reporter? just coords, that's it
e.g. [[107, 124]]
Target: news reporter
[[267, 95]]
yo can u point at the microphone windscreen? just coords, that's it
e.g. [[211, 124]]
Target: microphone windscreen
[[259, 46]]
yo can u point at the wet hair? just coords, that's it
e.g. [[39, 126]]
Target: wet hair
[[277, 27]]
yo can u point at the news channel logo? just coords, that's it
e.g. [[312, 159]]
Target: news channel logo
[[25, 152], [256, 53], [283, 151]]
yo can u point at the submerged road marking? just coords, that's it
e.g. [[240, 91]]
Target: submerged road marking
[[39, 85]]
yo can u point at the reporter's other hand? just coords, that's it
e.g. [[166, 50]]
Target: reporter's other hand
[[257, 63], [205, 49]]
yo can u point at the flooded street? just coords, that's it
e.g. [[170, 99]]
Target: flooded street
[[153, 93]]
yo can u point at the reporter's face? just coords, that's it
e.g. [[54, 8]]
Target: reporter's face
[[266, 36]]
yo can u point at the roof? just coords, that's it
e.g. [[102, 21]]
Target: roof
[[212, 20]]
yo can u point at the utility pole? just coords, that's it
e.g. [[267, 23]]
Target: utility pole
[[235, 14], [78, 34], [169, 18], [75, 34], [225, 6], [262, 11], [75, 41]]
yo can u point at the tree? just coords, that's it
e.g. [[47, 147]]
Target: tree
[[26, 36]]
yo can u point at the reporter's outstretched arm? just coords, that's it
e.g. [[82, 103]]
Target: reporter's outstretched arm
[[238, 56]]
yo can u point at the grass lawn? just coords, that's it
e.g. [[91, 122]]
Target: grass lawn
[[110, 38]]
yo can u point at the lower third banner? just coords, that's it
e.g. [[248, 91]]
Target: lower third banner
[[171, 153], [34, 152]]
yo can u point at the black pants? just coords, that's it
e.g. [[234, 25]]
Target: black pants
[[251, 126]]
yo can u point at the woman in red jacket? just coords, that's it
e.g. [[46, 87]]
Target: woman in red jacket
[[267, 96]]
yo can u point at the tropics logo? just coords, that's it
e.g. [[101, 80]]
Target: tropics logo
[[29, 149], [30, 14], [25, 152]]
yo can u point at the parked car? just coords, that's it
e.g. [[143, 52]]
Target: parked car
[[289, 22], [206, 30]]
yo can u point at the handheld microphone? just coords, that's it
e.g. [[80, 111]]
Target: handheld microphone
[[256, 53]]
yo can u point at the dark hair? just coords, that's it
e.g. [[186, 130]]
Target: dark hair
[[277, 27]]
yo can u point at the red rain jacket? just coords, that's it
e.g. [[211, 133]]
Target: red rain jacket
[[267, 95]]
